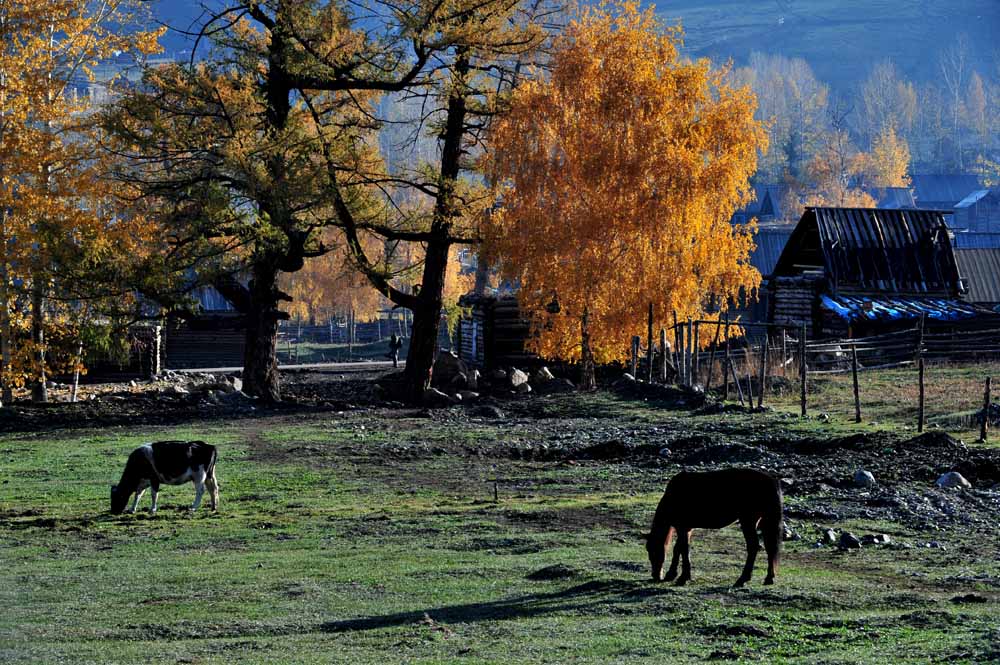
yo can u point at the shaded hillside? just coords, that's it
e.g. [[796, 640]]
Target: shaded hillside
[[840, 39]]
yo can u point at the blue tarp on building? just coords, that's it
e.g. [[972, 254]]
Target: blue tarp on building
[[851, 308]]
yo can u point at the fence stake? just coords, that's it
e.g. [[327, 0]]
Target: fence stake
[[803, 368], [784, 352], [854, 372], [746, 362], [688, 344], [920, 406], [984, 428], [726, 364], [677, 350], [736, 381], [763, 371], [649, 347], [680, 354], [663, 355], [711, 358], [697, 354], [635, 355]]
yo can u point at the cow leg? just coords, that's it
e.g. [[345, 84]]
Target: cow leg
[[138, 495], [154, 490], [212, 484], [749, 526], [772, 544], [683, 542], [672, 571], [199, 487]]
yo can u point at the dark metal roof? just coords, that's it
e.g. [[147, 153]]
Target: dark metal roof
[[893, 197], [771, 242], [852, 308], [886, 250], [980, 267], [935, 190], [975, 239]]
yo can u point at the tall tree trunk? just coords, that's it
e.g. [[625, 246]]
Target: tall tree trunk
[[39, 391], [260, 358], [426, 320], [588, 380], [5, 330]]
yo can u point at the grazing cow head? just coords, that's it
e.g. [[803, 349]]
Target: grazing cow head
[[118, 500], [656, 548]]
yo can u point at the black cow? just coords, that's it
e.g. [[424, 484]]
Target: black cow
[[168, 463]]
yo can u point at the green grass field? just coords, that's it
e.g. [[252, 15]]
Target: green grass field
[[367, 536]]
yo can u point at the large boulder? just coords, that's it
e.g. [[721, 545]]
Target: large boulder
[[450, 371], [953, 479], [434, 397], [864, 479], [542, 375]]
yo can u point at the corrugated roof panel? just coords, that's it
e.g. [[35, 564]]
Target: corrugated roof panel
[[980, 268], [855, 308]]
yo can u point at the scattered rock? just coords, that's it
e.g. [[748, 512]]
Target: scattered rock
[[953, 479], [848, 541], [970, 598], [472, 379], [179, 390], [664, 452], [434, 397], [830, 537], [498, 375], [788, 534], [488, 411], [863, 478], [875, 539], [542, 375], [468, 395], [522, 388], [517, 378], [449, 370]]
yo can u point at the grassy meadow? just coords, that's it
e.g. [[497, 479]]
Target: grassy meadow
[[367, 536]]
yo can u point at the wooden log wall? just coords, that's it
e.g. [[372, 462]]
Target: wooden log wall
[[794, 301]]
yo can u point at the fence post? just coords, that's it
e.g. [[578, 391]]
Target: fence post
[[746, 361], [663, 355], [677, 350], [696, 361], [984, 428], [736, 381], [679, 333], [649, 342], [803, 368], [635, 356], [854, 372], [688, 344], [920, 406], [784, 352], [711, 358], [763, 370], [726, 364]]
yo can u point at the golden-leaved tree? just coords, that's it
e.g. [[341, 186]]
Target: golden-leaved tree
[[61, 232], [618, 174]]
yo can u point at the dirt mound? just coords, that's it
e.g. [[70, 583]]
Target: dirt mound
[[616, 449], [558, 571], [725, 453]]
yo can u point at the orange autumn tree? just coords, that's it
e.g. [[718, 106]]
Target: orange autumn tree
[[618, 176], [63, 238]]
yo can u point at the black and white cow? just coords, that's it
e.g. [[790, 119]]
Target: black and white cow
[[167, 463]]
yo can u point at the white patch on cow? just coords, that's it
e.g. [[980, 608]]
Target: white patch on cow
[[198, 477], [143, 484]]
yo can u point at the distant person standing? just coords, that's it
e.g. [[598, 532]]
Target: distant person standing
[[395, 344]]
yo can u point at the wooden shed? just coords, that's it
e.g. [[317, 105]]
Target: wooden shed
[[493, 334], [851, 271]]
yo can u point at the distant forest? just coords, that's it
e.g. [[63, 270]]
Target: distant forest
[[829, 148]]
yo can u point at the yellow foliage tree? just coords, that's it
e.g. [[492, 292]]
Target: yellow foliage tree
[[889, 160], [619, 173], [58, 219]]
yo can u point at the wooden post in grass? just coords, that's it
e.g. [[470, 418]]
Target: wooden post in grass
[[736, 381], [677, 349], [696, 360], [649, 345], [920, 405], [746, 362], [854, 374], [690, 353], [635, 356], [680, 354], [803, 368], [784, 351], [763, 370], [711, 358], [663, 355], [985, 426], [726, 364]]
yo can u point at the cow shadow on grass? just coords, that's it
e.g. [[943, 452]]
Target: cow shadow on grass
[[588, 596]]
